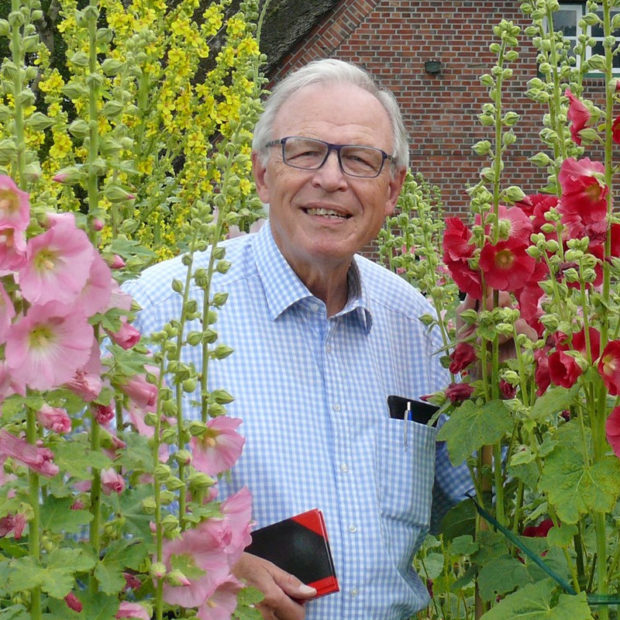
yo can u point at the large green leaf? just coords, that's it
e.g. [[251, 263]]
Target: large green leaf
[[534, 602], [77, 459], [575, 486], [555, 400], [500, 576], [472, 426], [57, 516]]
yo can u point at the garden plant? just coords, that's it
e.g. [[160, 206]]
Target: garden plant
[[540, 427], [125, 132]]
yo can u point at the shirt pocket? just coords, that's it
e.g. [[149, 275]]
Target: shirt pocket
[[405, 467]]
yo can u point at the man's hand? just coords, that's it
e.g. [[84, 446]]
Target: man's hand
[[284, 594]]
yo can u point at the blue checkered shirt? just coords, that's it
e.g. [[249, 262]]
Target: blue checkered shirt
[[312, 391]]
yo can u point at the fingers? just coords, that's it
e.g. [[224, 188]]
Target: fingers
[[284, 594]]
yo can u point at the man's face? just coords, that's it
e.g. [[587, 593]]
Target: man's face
[[320, 218]]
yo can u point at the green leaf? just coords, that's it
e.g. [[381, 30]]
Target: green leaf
[[533, 602], [77, 459], [57, 516], [98, 606], [15, 612], [463, 545], [561, 536], [500, 576], [460, 520], [472, 426], [553, 401], [110, 577], [77, 560], [247, 598], [431, 565], [573, 485]]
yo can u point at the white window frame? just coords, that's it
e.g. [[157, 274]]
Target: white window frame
[[580, 10]]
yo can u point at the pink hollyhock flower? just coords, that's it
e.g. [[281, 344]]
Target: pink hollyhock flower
[[131, 581], [459, 392], [141, 392], [541, 375], [54, 419], [127, 336], [219, 447], [223, 602], [35, 457], [7, 313], [86, 382], [46, 347], [128, 609], [8, 384], [457, 251], [462, 356], [609, 367], [111, 481], [103, 414], [563, 369], [14, 205], [577, 114], [213, 546], [506, 265], [584, 194], [13, 523], [612, 430], [96, 293], [58, 264], [515, 224], [13, 250], [73, 602], [538, 531]]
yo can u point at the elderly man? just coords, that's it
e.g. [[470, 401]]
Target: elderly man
[[321, 338]]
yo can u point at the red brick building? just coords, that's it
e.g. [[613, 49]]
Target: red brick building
[[431, 54]]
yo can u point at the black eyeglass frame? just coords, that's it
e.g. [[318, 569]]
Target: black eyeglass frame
[[331, 147]]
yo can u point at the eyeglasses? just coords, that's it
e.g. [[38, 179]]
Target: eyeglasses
[[310, 154]]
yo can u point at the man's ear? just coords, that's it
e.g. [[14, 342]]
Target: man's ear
[[394, 187], [259, 169]]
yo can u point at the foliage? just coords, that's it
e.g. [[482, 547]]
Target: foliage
[[535, 412], [134, 151]]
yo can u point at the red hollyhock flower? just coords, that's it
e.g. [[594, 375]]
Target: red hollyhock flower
[[535, 206], [563, 369], [457, 252], [609, 367], [506, 389], [515, 220], [612, 430], [615, 240], [577, 114], [615, 130], [459, 392], [578, 342], [462, 356], [584, 195], [529, 298], [538, 531], [506, 266], [541, 375]]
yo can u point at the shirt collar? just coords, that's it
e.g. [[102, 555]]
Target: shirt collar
[[284, 289]]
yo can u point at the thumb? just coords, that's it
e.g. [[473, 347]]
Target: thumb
[[293, 587]]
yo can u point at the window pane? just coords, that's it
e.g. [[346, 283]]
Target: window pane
[[565, 21]]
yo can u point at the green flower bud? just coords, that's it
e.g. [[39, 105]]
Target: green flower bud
[[148, 505], [222, 351], [158, 570], [222, 397]]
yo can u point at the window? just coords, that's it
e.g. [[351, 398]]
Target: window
[[566, 21]]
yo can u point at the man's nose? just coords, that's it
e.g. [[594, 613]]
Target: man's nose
[[330, 175]]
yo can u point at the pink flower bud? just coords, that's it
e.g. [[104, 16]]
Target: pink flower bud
[[111, 481], [116, 262], [103, 414], [97, 224], [54, 419], [61, 177], [73, 602]]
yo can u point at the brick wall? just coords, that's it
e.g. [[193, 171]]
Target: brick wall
[[394, 38]]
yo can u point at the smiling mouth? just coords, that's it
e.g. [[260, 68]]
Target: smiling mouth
[[327, 213]]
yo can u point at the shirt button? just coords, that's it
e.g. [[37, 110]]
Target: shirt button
[[336, 406], [352, 529], [344, 468], [354, 592], [328, 348]]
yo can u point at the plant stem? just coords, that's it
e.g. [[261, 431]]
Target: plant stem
[[34, 540]]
